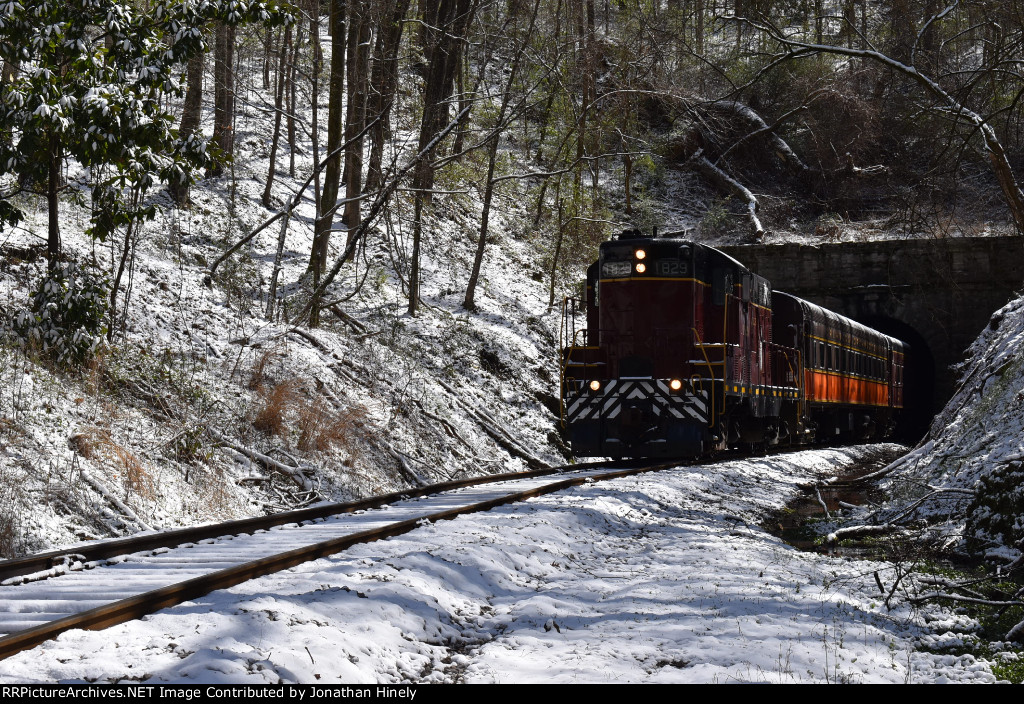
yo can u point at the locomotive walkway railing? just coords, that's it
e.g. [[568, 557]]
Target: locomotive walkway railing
[[567, 343], [703, 347]]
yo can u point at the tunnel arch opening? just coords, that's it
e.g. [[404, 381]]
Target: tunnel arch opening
[[920, 401]]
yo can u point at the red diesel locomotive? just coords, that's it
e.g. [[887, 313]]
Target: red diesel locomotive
[[678, 350]]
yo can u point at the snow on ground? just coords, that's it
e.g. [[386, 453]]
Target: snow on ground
[[664, 577]]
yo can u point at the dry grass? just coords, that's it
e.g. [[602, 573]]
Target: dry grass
[[320, 428], [270, 418], [102, 448], [133, 475], [82, 443], [258, 375], [215, 495]]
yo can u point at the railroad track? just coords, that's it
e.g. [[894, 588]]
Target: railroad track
[[100, 585]]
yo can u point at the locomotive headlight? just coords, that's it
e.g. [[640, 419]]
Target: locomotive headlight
[[675, 384], [641, 268], [595, 385], [640, 254]]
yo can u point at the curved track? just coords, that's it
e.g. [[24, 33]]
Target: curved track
[[107, 583]]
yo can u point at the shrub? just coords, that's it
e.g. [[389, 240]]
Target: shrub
[[996, 515], [716, 220], [67, 319]]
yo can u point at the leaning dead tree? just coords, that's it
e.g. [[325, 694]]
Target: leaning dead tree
[[722, 128], [727, 184]]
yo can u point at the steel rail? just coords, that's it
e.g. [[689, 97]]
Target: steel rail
[[106, 549], [137, 606]]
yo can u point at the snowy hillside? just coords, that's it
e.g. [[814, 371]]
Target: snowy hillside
[[202, 409], [968, 471]]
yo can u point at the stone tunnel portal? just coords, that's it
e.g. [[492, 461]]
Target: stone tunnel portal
[[921, 401]]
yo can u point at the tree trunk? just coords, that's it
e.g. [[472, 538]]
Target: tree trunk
[[469, 303], [414, 265], [314, 265], [444, 27], [332, 171], [465, 101], [627, 170], [355, 118], [224, 94], [558, 251], [268, 45], [53, 249], [126, 253], [819, 11], [586, 68], [285, 47], [190, 116], [727, 184], [384, 85], [293, 69], [901, 23]]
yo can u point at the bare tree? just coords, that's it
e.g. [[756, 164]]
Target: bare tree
[[224, 93], [444, 27], [284, 50], [335, 124], [355, 115], [383, 84], [492, 152]]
